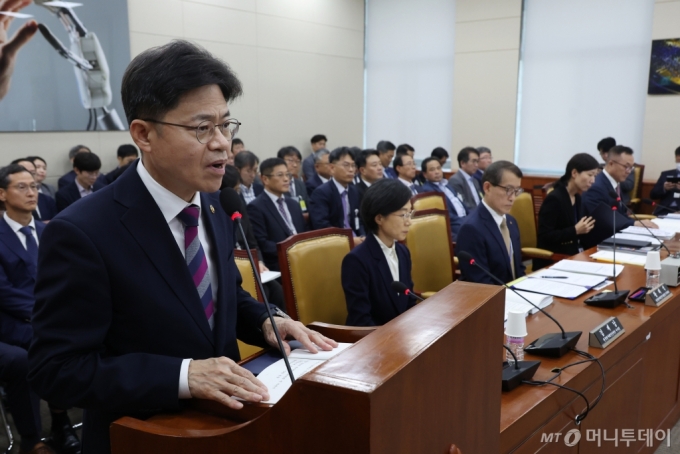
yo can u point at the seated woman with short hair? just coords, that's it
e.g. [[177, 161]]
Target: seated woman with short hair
[[370, 268], [560, 222]]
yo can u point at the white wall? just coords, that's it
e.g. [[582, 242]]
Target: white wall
[[409, 73], [661, 134], [485, 76], [300, 62]]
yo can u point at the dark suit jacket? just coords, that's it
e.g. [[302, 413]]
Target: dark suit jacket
[[300, 192], [460, 184], [367, 282], [361, 189], [117, 310], [17, 279], [47, 206], [69, 194], [325, 209], [312, 183], [601, 192], [556, 220], [389, 172], [478, 176], [482, 239], [667, 198], [270, 228], [66, 179], [454, 220]]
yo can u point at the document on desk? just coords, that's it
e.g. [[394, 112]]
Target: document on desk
[[550, 287], [578, 266], [565, 277], [276, 378], [666, 231], [621, 257], [516, 303]]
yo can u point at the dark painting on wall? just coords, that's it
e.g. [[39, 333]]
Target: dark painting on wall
[[664, 69], [68, 76]]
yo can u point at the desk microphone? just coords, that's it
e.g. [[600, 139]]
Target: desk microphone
[[610, 300], [514, 374], [552, 345], [654, 204], [231, 202], [400, 287], [631, 212]]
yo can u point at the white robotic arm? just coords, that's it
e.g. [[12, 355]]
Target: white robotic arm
[[90, 66]]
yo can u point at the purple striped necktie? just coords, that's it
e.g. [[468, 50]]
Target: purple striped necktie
[[196, 260]]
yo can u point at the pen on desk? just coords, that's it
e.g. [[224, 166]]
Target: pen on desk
[[554, 277]]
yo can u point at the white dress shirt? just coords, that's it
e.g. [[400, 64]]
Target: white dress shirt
[[170, 206], [455, 201], [83, 191], [323, 180], [409, 185], [391, 256], [471, 184], [15, 226], [368, 185], [498, 219], [614, 183], [289, 219]]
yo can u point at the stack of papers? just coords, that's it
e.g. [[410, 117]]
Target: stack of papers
[[672, 216], [562, 284], [630, 236], [621, 257], [576, 266], [515, 303], [275, 377], [666, 230]]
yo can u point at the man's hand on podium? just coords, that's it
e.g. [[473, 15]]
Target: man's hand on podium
[[221, 378], [290, 329]]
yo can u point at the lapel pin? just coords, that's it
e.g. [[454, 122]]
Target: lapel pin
[[212, 209]]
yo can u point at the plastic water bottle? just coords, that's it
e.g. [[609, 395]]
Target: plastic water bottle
[[516, 345], [653, 278]]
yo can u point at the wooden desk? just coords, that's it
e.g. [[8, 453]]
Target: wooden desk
[[642, 376]]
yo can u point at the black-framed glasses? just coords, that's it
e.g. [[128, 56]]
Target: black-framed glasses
[[206, 129], [510, 191], [627, 168]]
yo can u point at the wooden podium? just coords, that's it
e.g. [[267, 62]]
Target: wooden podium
[[427, 382]]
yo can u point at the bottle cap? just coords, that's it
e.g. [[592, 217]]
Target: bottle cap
[[653, 261], [517, 324]]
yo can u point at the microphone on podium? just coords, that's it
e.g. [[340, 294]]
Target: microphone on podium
[[400, 287], [654, 204], [552, 345], [231, 203]]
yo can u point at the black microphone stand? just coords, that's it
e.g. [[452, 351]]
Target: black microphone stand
[[513, 375], [236, 217]]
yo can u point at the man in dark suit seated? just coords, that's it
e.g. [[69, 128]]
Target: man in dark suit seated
[[463, 181], [489, 234], [485, 160], [40, 176], [667, 192], [627, 185], [387, 151], [318, 142], [431, 169], [405, 168], [246, 162], [274, 216], [370, 170], [142, 278], [86, 166], [336, 202], [46, 208], [298, 191], [19, 237], [370, 268], [322, 171], [125, 154], [604, 193], [70, 176]]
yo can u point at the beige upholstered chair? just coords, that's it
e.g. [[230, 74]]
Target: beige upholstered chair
[[428, 200], [249, 284], [429, 242], [311, 275]]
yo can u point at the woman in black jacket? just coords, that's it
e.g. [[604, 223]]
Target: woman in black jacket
[[559, 221]]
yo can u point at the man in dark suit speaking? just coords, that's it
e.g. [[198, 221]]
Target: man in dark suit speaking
[[138, 299]]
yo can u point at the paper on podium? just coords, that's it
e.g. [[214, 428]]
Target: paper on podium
[[577, 266], [276, 378]]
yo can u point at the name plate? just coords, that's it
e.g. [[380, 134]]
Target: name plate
[[656, 297], [606, 333]]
